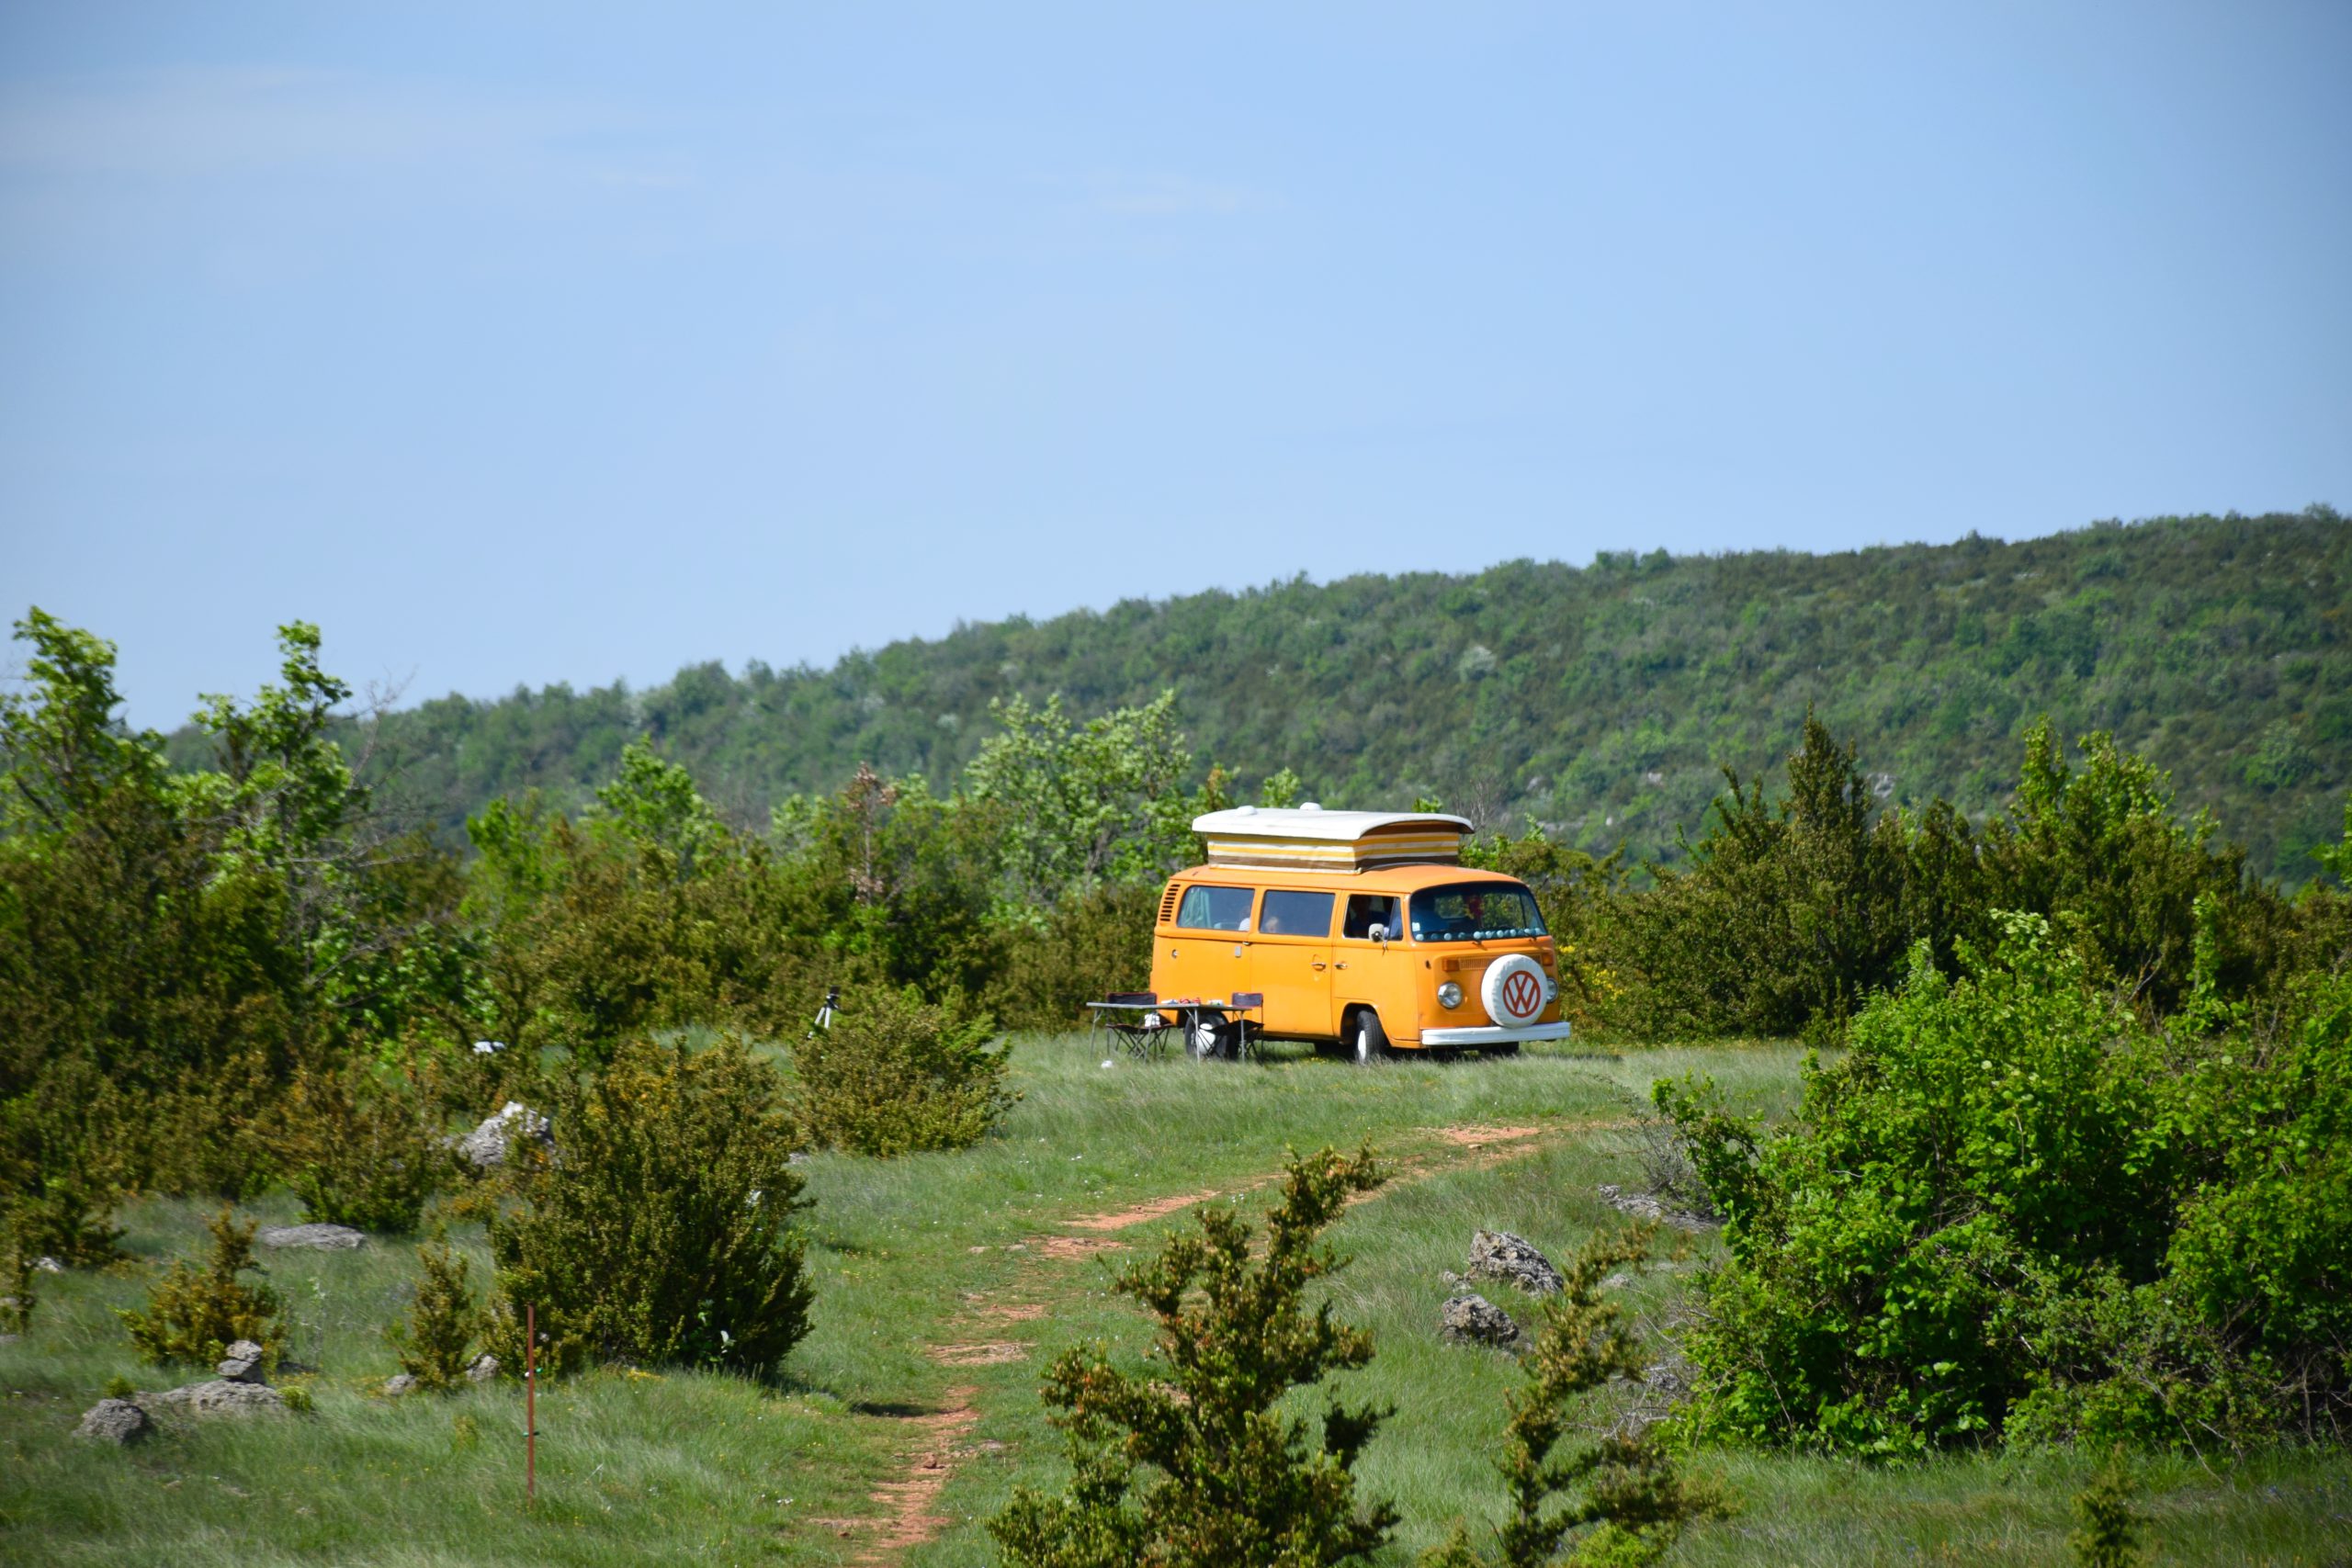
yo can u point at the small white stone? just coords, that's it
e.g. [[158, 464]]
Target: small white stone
[[1108, 1064]]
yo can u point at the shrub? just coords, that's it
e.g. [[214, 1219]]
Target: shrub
[[119, 1387], [2110, 1536], [1790, 911], [661, 1228], [434, 1343], [1624, 1503], [2014, 1210], [361, 1149], [16, 1299], [194, 1314], [298, 1399], [1081, 949], [896, 1074], [67, 1221], [1238, 1479]]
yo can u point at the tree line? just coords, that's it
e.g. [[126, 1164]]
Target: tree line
[[1598, 701]]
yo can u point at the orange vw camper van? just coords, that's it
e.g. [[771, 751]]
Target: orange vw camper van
[[1362, 929]]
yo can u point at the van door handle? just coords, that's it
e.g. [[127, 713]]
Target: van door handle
[[1342, 964], [1317, 963]]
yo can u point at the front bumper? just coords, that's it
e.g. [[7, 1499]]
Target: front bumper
[[1494, 1035]]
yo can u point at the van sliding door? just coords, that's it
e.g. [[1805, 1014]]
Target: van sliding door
[[1291, 962]]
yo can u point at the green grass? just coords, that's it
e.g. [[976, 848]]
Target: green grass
[[934, 1250]]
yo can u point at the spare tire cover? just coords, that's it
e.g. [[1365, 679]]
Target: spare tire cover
[[1513, 990]]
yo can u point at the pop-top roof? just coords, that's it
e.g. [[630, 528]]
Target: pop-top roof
[[1312, 822], [1311, 838]]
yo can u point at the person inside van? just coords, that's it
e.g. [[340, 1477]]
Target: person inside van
[[1366, 910]]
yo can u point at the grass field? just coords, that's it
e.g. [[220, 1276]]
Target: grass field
[[944, 1284]]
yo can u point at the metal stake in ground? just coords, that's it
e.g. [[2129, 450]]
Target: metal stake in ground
[[530, 1402]]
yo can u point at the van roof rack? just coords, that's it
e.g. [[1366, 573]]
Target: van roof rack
[[1307, 837]]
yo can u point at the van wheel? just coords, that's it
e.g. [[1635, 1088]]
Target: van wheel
[[1210, 1040], [1371, 1039]]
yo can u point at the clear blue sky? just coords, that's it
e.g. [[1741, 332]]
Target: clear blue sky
[[517, 344]]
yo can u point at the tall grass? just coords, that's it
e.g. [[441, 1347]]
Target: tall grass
[[913, 1254]]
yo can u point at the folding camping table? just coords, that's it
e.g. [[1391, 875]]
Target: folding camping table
[[1138, 1020]]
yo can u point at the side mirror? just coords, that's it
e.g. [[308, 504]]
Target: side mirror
[[1378, 933]]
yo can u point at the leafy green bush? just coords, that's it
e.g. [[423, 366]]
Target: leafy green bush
[[1788, 913], [894, 1074], [434, 1344], [1238, 1478], [1081, 949], [2110, 1536], [360, 1148], [16, 1299], [2014, 1209], [660, 1230], [194, 1314], [67, 1221], [1624, 1502]]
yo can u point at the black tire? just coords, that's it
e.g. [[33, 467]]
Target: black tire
[[1370, 1046]]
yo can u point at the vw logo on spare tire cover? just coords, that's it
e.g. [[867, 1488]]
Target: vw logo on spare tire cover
[[1513, 991]]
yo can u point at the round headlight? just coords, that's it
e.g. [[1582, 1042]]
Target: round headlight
[[1449, 994]]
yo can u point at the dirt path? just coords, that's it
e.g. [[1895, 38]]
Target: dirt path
[[908, 1520]]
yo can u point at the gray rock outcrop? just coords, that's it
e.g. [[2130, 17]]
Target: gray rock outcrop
[[399, 1384], [1469, 1319], [320, 1239], [484, 1367], [116, 1421], [1642, 1206], [1499, 1255], [221, 1397], [486, 1146], [243, 1364]]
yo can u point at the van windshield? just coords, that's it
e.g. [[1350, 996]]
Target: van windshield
[[1476, 911]]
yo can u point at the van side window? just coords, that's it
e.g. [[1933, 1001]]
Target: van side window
[[1296, 914], [1208, 909], [1366, 910]]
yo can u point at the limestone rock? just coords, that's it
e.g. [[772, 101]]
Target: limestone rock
[[222, 1397], [116, 1421], [1642, 1206], [1499, 1255], [45, 1264], [399, 1384], [320, 1239], [243, 1364], [1473, 1320], [484, 1367], [486, 1146]]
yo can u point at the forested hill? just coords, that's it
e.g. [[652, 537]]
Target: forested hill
[[1598, 701]]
